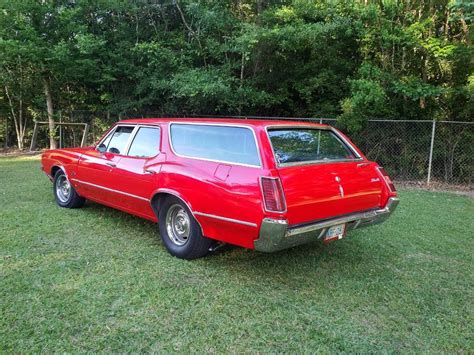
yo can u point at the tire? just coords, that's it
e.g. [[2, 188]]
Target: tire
[[65, 195], [180, 232]]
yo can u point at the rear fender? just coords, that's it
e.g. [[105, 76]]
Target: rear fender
[[155, 202]]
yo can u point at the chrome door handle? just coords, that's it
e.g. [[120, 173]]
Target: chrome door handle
[[113, 165], [360, 165], [148, 171]]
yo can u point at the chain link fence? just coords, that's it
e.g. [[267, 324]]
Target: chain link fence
[[412, 151], [421, 152]]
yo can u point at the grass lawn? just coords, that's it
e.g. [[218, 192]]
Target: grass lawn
[[96, 279]]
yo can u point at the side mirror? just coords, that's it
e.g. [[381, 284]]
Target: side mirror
[[102, 148]]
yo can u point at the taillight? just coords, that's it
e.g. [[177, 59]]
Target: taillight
[[273, 197], [387, 179]]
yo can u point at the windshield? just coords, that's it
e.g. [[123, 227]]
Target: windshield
[[293, 145]]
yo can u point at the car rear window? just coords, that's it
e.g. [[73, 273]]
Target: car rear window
[[302, 145], [217, 143]]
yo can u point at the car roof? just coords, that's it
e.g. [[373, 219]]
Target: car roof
[[231, 121]]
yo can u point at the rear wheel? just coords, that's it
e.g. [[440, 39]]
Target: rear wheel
[[180, 232], [65, 195]]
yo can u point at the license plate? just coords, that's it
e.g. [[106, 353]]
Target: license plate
[[335, 232]]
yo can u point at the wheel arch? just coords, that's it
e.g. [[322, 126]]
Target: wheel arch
[[160, 195], [55, 168]]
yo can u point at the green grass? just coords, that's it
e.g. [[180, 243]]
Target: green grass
[[96, 279]]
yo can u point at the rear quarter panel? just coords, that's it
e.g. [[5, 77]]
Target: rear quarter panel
[[218, 189]]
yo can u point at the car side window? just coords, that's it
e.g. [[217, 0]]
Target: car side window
[[146, 143], [230, 144], [119, 140], [106, 141]]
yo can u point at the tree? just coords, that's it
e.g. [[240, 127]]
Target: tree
[[51, 40], [353, 60]]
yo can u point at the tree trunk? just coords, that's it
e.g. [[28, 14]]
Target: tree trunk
[[18, 124], [424, 78], [192, 33], [6, 131], [49, 105]]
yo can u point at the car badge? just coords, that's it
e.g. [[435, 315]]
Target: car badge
[[341, 190]]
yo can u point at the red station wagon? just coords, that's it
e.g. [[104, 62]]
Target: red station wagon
[[260, 184]]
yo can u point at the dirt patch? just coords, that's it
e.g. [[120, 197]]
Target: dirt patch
[[13, 152], [437, 186]]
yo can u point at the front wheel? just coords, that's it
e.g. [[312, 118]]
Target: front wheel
[[180, 232], [65, 195]]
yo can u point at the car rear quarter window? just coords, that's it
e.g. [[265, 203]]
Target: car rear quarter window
[[228, 144], [146, 142], [300, 145]]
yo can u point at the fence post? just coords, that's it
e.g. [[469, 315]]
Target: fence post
[[430, 161], [33, 137], [60, 130], [84, 135]]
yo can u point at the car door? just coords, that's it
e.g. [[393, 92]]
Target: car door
[[94, 173], [136, 173]]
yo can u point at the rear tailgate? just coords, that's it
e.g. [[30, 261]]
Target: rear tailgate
[[322, 174], [326, 190]]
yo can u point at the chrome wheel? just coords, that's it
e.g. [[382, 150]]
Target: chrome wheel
[[63, 188], [178, 224]]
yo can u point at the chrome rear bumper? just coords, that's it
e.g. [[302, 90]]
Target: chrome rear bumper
[[275, 234]]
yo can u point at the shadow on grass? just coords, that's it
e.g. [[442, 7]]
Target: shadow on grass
[[303, 261]]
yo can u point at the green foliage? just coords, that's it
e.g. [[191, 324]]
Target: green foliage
[[355, 60], [368, 98], [414, 88]]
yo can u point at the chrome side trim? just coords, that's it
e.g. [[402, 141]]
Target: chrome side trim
[[111, 190], [226, 219], [170, 141], [276, 234]]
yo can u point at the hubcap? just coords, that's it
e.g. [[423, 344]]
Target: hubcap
[[178, 225], [63, 188]]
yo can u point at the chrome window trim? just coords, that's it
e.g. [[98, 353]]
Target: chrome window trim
[[111, 190], [136, 127], [111, 131], [226, 219], [127, 146], [216, 125], [310, 162], [130, 140]]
